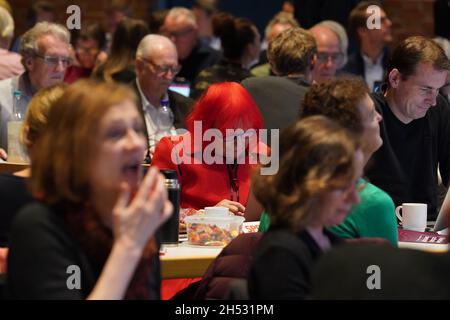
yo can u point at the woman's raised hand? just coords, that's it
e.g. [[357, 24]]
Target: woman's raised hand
[[136, 221]]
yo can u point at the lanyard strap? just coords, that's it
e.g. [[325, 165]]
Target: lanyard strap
[[234, 185]]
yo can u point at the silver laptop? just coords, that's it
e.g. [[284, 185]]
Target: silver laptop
[[444, 214]]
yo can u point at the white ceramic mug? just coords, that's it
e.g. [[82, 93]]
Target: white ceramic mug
[[413, 217]]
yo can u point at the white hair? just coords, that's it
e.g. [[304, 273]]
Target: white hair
[[28, 43], [150, 41], [177, 12], [339, 30], [6, 24]]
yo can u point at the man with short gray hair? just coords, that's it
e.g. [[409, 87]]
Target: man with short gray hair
[[181, 27], [331, 50], [45, 51], [156, 67]]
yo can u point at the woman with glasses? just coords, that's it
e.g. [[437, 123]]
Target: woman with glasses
[[241, 45], [316, 186], [88, 44], [215, 158], [90, 233]]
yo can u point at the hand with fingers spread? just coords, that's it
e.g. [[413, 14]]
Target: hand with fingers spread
[[137, 221], [235, 207]]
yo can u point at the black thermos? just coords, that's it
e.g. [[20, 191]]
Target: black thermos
[[170, 229]]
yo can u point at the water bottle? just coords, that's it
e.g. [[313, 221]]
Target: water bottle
[[170, 229], [165, 120], [16, 151]]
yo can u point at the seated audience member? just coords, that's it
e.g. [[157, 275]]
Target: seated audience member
[[332, 43], [88, 43], [181, 27], [156, 66], [115, 12], [415, 128], [280, 22], [224, 107], [10, 64], [204, 12], [45, 56], [119, 66], [370, 272], [219, 173], [347, 101], [156, 20], [231, 265], [39, 11], [241, 44], [315, 187], [291, 56], [371, 60], [93, 211], [14, 193]]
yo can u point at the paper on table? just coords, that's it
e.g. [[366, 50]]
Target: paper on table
[[250, 227]]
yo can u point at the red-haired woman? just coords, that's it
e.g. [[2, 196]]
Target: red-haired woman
[[210, 173], [213, 171]]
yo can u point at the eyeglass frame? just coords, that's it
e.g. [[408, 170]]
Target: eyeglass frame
[[336, 57], [162, 70], [67, 61]]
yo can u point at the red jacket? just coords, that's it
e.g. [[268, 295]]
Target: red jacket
[[204, 185]]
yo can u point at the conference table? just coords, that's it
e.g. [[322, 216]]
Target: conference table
[[186, 261]]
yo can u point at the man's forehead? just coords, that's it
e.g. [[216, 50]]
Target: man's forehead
[[427, 76], [48, 42], [178, 22]]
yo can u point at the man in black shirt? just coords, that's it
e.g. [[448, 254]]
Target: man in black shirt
[[416, 125]]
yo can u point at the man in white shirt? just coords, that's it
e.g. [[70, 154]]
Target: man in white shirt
[[371, 61], [156, 67], [45, 56]]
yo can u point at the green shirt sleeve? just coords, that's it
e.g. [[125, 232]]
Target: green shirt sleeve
[[374, 216]]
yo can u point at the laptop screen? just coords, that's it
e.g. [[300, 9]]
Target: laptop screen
[[444, 213]]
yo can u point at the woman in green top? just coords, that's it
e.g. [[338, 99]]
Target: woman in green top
[[347, 101]]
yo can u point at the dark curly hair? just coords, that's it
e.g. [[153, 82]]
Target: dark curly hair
[[337, 99], [316, 156]]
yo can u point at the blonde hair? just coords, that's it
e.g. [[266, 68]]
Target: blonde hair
[[5, 4], [6, 24], [37, 113]]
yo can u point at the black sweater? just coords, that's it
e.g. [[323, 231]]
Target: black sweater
[[406, 164]]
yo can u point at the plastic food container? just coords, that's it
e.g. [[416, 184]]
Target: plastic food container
[[213, 228]]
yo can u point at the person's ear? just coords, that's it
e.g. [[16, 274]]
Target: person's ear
[[394, 78], [313, 63], [139, 64], [29, 63]]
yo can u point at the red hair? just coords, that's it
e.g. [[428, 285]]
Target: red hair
[[225, 105]]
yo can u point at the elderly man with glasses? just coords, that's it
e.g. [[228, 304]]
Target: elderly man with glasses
[[156, 67], [45, 56], [194, 55], [331, 41]]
